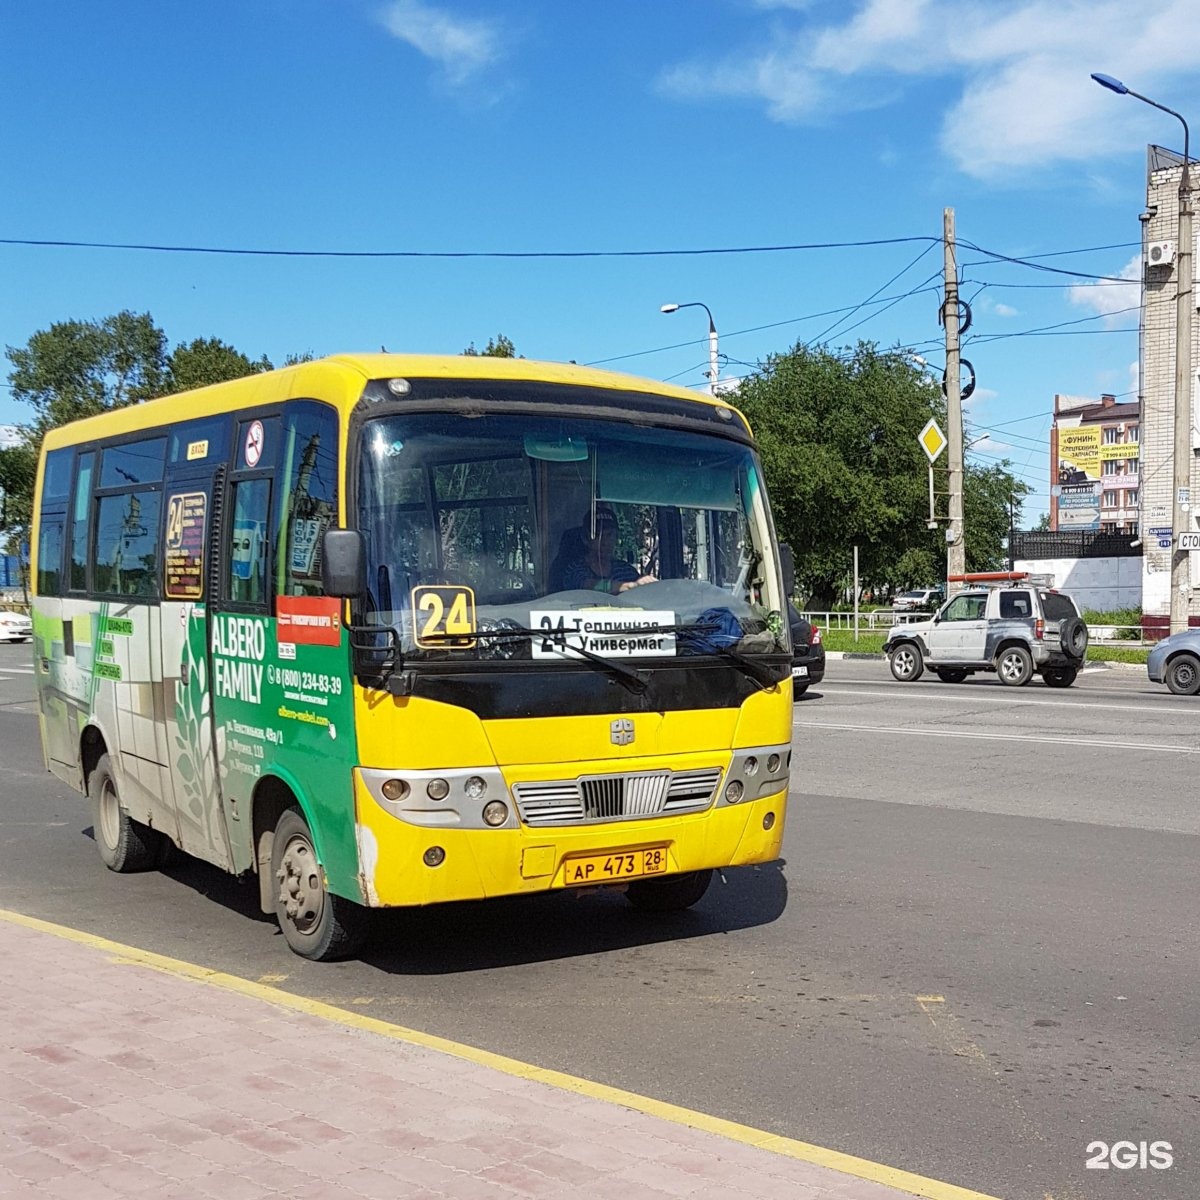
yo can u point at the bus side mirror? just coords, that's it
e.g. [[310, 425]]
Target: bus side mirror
[[343, 563], [787, 562]]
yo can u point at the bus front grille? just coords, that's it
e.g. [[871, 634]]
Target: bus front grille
[[591, 799]]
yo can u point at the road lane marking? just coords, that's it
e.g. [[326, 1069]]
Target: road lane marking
[[973, 694], [1102, 743], [834, 1160]]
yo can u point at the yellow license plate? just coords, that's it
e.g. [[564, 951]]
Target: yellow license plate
[[612, 868]]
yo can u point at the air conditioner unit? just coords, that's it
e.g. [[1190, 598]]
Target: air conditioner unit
[[1160, 254], [1121, 427]]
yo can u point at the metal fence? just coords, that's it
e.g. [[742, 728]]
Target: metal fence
[[1074, 543], [1132, 636]]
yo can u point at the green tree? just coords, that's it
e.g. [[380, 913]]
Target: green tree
[[497, 347], [988, 493], [77, 369], [838, 437], [18, 466], [209, 360]]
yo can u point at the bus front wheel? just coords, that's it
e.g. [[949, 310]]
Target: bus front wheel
[[670, 894], [125, 845], [315, 923]]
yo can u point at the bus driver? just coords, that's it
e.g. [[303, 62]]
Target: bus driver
[[596, 567]]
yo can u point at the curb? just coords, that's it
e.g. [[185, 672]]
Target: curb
[[864, 654]]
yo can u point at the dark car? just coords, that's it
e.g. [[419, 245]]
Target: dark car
[[808, 654]]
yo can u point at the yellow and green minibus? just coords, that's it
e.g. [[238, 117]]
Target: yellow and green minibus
[[391, 630]]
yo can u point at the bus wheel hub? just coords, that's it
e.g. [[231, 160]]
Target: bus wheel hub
[[300, 885]]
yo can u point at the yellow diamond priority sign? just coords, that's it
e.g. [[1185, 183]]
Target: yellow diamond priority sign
[[933, 440]]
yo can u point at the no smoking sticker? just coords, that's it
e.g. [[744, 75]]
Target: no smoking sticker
[[254, 443]]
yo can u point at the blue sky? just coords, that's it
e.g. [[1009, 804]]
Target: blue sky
[[553, 127]]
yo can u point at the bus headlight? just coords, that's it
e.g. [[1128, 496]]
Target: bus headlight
[[734, 791], [475, 787], [772, 764], [750, 766], [495, 812], [437, 789], [394, 789], [434, 856]]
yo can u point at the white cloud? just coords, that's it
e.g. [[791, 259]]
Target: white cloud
[[1112, 300], [1017, 86], [461, 46], [994, 308]]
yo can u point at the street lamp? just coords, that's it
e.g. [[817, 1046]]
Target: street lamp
[[712, 339], [1180, 581]]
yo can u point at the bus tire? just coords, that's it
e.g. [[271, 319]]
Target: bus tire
[[315, 923], [125, 845], [671, 894]]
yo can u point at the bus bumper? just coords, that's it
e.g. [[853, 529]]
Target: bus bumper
[[405, 865]]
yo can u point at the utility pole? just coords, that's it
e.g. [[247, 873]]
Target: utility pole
[[956, 552], [1012, 529], [1181, 584]]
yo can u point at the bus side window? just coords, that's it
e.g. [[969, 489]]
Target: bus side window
[[246, 563], [308, 496], [50, 544], [79, 524], [127, 545]]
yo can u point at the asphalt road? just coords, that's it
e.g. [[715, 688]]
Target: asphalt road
[[978, 955]]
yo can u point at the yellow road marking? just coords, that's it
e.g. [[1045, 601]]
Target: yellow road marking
[[848, 1164]]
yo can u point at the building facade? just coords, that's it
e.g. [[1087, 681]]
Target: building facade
[[1095, 459], [1160, 281]]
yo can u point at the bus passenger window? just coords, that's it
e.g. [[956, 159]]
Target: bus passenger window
[[246, 574], [127, 544], [79, 524], [49, 564]]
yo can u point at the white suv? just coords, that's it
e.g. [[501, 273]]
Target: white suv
[[1016, 630]]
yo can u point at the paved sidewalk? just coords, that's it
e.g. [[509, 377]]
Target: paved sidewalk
[[123, 1074]]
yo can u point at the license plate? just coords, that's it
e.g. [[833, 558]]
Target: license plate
[[611, 868], [799, 672]]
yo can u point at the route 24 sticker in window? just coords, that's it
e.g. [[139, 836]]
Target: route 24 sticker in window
[[184, 551], [443, 617]]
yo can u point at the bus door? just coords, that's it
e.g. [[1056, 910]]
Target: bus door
[[192, 529], [59, 703], [281, 695]]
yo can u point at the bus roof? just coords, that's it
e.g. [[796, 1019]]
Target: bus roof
[[340, 378]]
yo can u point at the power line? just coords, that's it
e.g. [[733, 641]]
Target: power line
[[250, 251], [862, 304], [168, 248], [1034, 266], [828, 312]]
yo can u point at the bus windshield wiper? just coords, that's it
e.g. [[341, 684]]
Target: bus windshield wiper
[[755, 671], [623, 675]]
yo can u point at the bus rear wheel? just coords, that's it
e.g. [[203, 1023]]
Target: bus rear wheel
[[315, 923], [125, 845], [671, 894]]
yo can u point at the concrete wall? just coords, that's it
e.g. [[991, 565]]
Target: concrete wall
[[1103, 584]]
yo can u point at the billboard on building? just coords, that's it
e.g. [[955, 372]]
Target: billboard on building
[[1078, 454], [1079, 506]]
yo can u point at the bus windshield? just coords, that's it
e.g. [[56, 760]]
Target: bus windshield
[[553, 523]]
